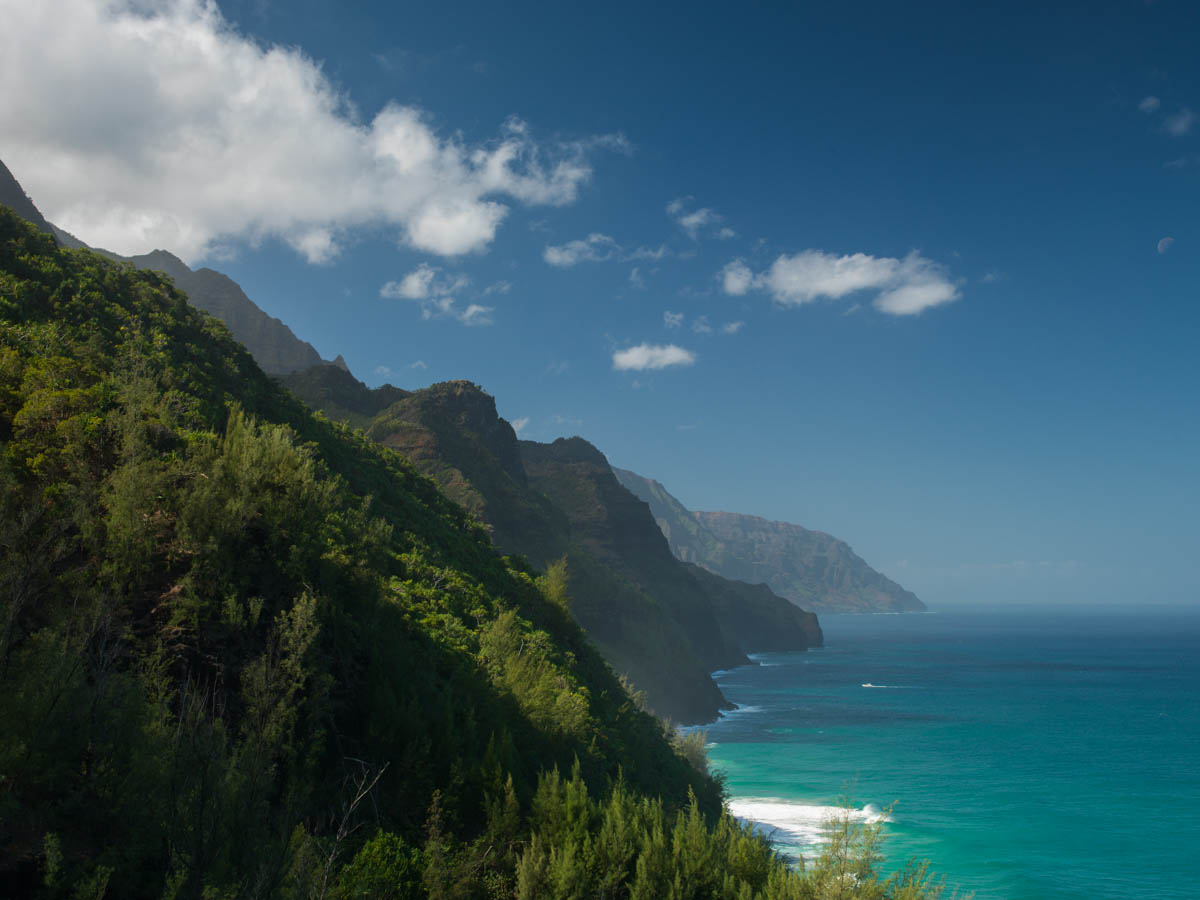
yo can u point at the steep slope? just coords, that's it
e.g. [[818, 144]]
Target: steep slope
[[244, 652], [653, 619], [224, 617], [13, 196], [272, 344], [810, 568]]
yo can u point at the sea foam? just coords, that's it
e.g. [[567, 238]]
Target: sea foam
[[797, 824]]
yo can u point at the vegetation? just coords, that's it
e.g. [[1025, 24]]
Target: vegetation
[[244, 652], [663, 624]]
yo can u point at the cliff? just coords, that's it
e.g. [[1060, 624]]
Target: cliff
[[810, 568], [664, 624]]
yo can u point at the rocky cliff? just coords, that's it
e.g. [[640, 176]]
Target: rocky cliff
[[664, 624]]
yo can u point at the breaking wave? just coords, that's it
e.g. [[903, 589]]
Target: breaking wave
[[797, 824]]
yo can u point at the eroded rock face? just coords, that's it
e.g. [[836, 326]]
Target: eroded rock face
[[810, 568]]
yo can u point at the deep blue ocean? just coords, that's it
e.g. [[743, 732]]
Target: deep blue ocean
[[1030, 754]]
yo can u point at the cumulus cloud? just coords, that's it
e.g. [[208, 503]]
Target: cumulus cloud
[[652, 356], [519, 425], [419, 364], [1150, 104], [413, 286], [594, 248], [903, 286], [672, 319], [701, 325], [1165, 244], [736, 278], [732, 327], [139, 125], [1181, 123]]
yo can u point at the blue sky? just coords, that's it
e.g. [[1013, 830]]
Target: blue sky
[[923, 276]]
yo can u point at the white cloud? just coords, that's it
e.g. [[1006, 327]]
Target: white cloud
[[1150, 104], [636, 280], [1165, 244], [598, 248], [138, 125], [500, 287], [1180, 123], [519, 425], [419, 364], [383, 371], [726, 234], [652, 253], [558, 368], [317, 245], [672, 319], [436, 294], [904, 286], [697, 220], [736, 278], [732, 327], [701, 325], [413, 286], [652, 356], [594, 248], [694, 221], [475, 314]]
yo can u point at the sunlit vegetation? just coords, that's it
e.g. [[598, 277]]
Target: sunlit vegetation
[[244, 652]]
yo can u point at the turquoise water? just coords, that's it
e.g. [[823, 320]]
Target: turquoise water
[[1030, 755]]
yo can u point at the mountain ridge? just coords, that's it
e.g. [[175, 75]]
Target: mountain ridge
[[271, 342], [664, 625], [811, 568]]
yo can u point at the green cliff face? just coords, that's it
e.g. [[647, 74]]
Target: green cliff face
[[810, 568], [664, 625], [223, 617]]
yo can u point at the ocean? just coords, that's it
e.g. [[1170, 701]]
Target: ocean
[[1029, 754]]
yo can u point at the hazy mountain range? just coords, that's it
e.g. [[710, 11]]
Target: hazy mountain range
[[810, 568]]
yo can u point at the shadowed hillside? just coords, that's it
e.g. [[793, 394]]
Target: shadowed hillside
[[665, 625]]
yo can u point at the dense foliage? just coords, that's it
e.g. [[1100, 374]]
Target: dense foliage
[[246, 653]]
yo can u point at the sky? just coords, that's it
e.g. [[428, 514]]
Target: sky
[[923, 276]]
